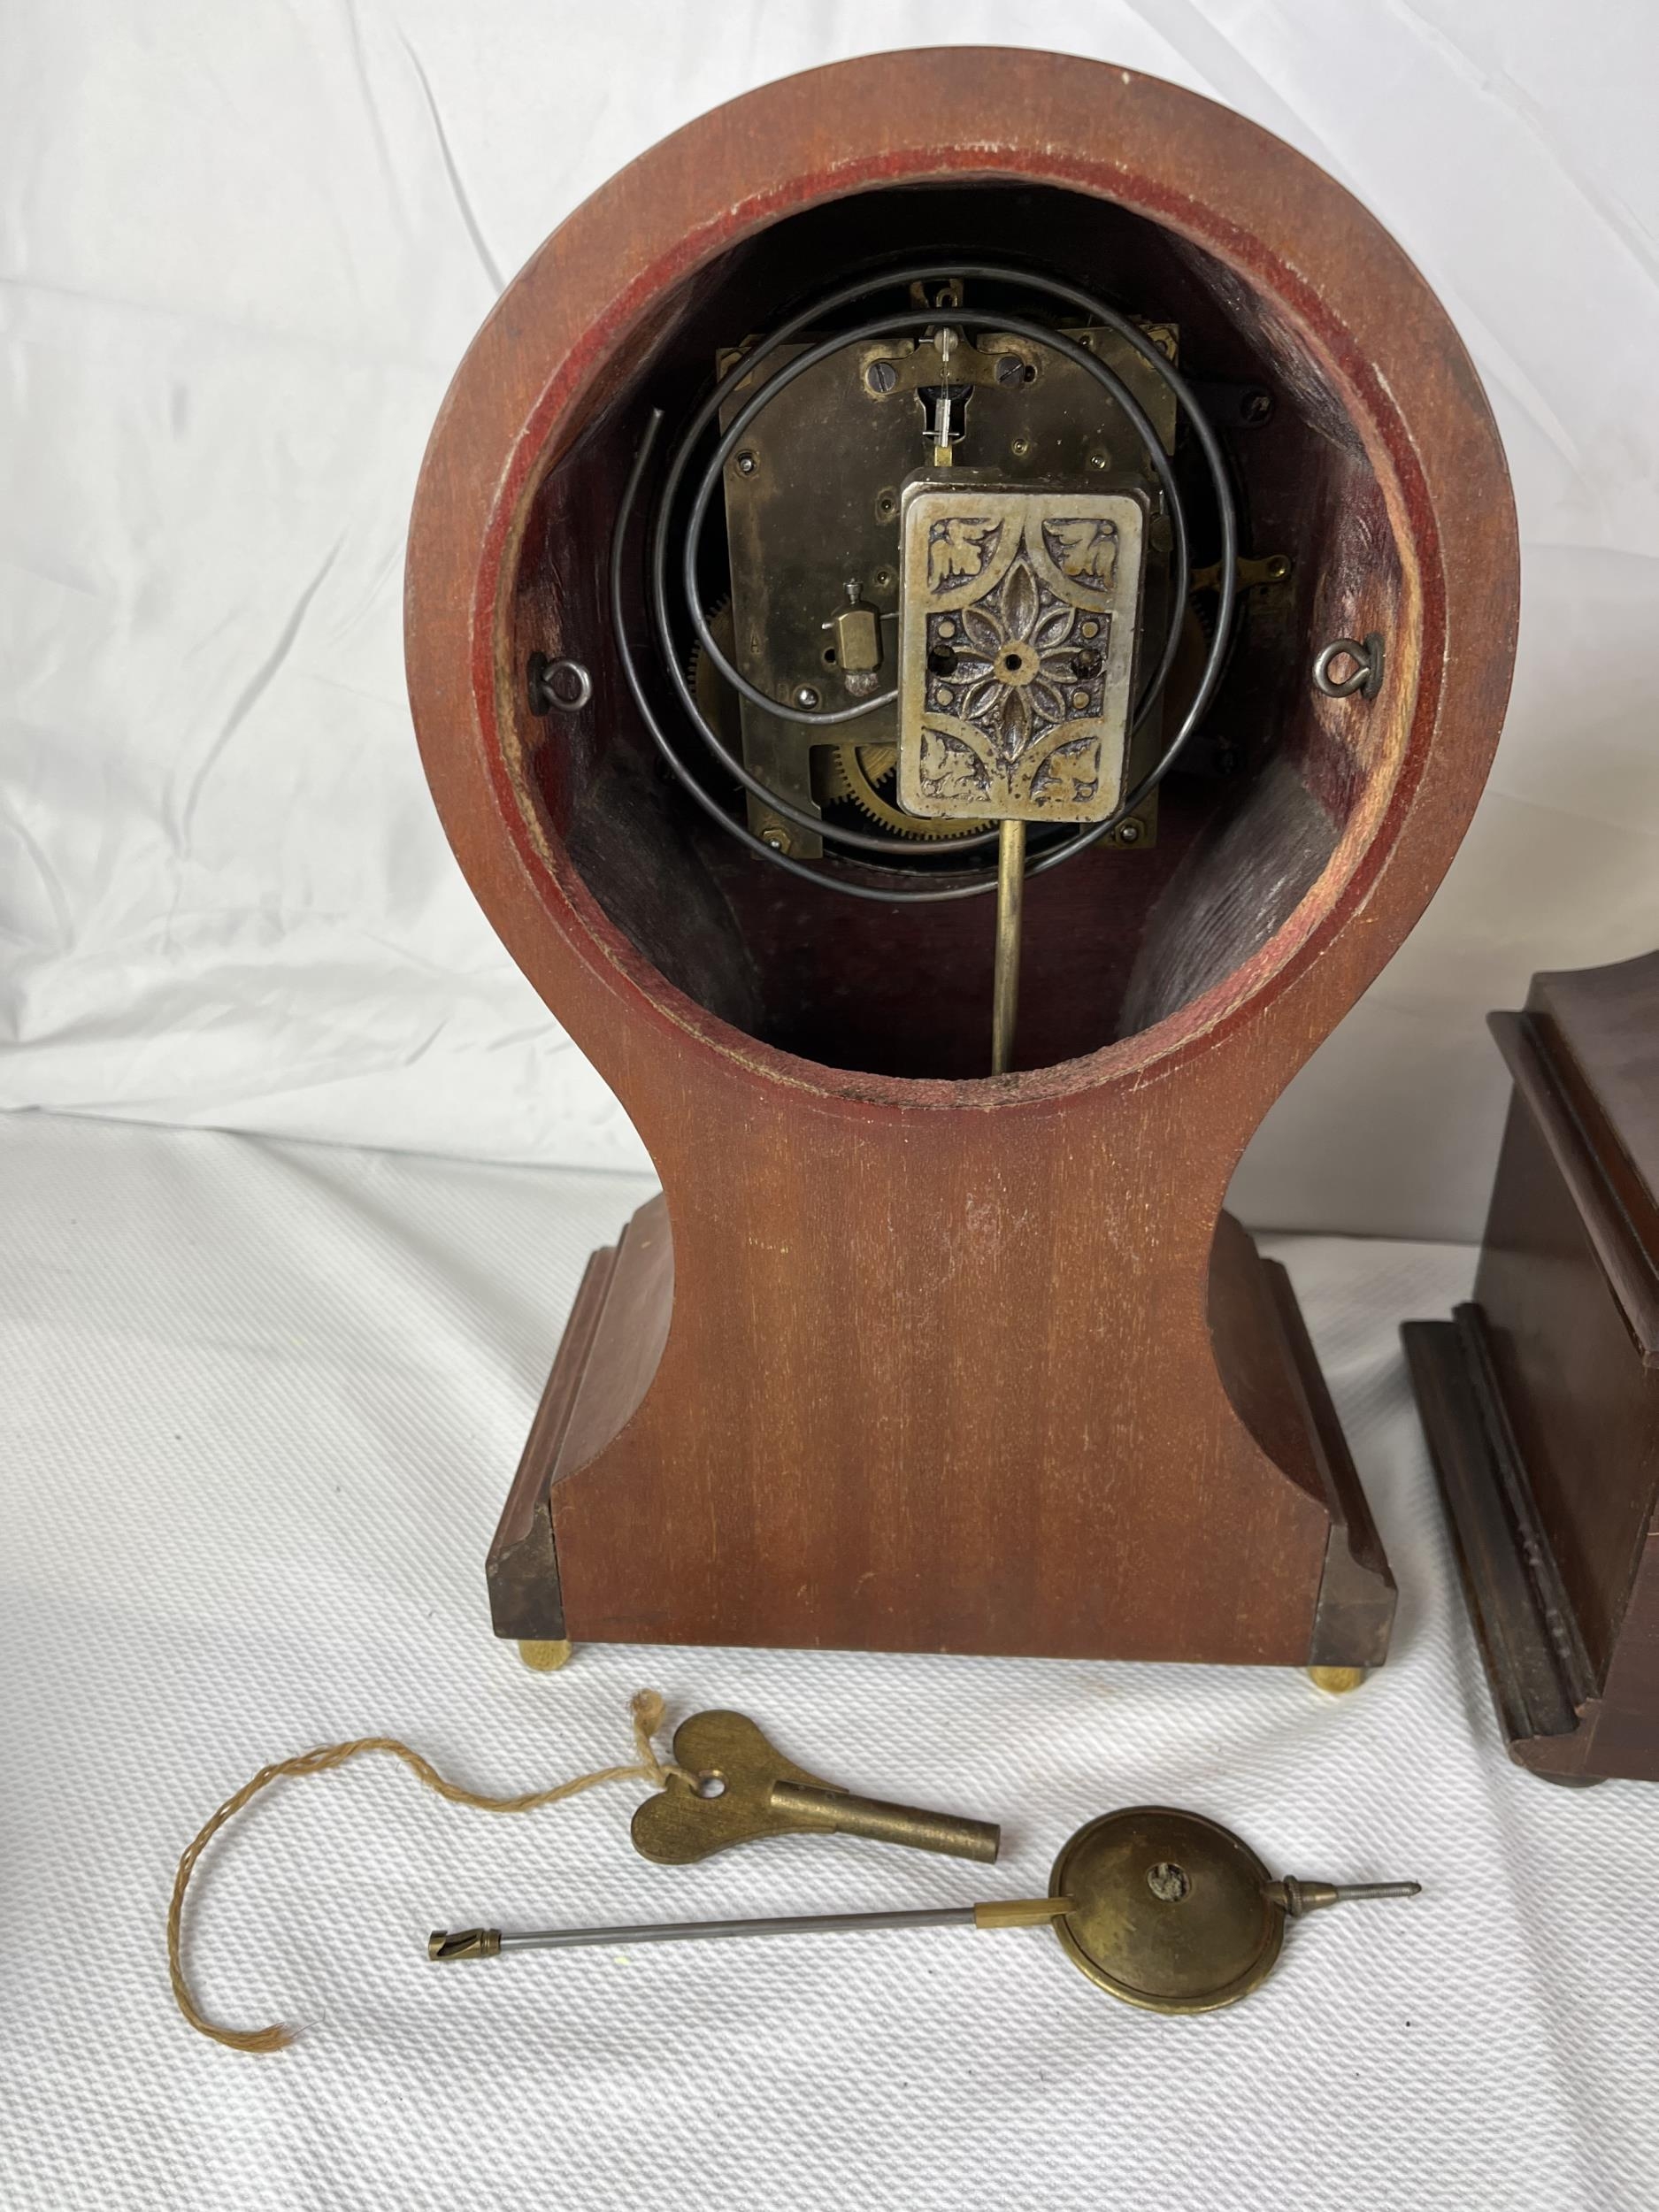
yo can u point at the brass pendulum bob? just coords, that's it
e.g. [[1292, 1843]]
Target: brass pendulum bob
[[1175, 1913]]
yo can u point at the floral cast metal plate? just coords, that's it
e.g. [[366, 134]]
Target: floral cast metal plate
[[1017, 635]]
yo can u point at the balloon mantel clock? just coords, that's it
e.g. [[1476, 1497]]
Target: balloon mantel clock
[[958, 610]]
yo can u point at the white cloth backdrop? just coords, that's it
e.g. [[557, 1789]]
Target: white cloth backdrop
[[243, 249], [261, 1400]]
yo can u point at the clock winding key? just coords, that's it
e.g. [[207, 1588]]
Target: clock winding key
[[751, 1790]]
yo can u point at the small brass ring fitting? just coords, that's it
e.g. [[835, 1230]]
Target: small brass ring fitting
[[1365, 677], [562, 684]]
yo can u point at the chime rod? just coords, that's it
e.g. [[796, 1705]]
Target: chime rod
[[483, 1943]]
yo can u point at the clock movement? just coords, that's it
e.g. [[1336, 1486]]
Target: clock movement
[[958, 611]]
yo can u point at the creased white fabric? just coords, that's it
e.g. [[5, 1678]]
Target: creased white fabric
[[261, 1400], [241, 249]]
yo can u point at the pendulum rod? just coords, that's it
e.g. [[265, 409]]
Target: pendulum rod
[[486, 1943], [1011, 838], [1011, 893], [1010, 842]]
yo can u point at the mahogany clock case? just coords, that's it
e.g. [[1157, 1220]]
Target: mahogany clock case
[[908, 1357], [1541, 1396]]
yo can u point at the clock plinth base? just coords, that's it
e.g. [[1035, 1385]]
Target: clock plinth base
[[1324, 1602]]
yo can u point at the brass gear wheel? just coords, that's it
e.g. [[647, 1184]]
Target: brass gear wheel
[[716, 699], [865, 775], [860, 775]]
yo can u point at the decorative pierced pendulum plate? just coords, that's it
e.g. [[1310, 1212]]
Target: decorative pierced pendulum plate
[[1017, 633]]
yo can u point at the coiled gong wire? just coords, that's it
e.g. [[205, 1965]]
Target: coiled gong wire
[[935, 887]]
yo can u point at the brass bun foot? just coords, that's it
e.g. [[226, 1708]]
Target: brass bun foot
[[546, 1658], [1337, 1681]]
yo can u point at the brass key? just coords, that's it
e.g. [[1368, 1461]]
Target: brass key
[[751, 1790]]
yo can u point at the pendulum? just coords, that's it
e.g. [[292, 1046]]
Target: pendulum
[[1166, 1909]]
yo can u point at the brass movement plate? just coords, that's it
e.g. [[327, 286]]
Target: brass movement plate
[[812, 503], [1017, 643], [1170, 1909]]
